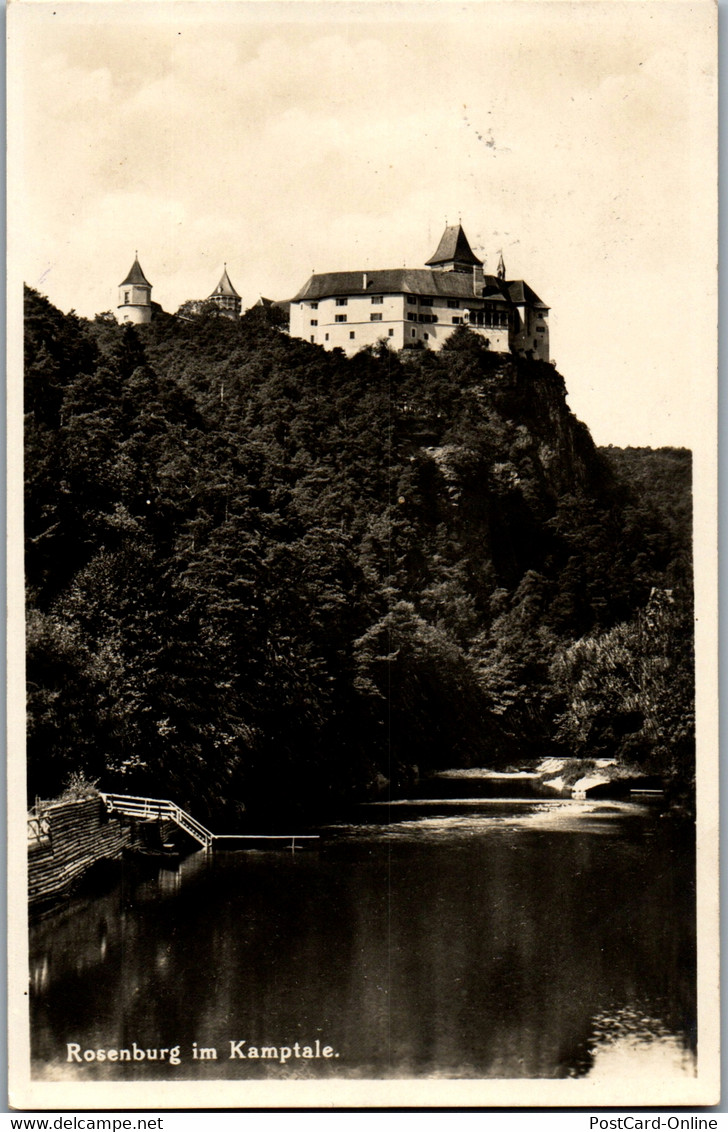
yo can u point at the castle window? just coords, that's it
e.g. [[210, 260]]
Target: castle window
[[339, 317], [425, 335], [456, 320], [314, 322], [314, 306], [342, 302], [494, 318], [413, 333], [326, 337], [412, 316], [375, 318], [391, 332], [425, 302], [312, 337], [411, 299], [352, 334], [454, 304], [378, 299], [126, 296]]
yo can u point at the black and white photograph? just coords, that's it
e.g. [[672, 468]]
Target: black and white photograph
[[362, 419]]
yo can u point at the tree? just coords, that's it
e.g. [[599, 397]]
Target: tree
[[629, 692]]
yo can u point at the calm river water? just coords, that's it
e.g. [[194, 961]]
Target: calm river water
[[453, 939]]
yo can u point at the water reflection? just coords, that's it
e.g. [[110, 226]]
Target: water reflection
[[499, 941], [628, 1042]]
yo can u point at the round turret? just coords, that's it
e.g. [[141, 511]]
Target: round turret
[[135, 296]]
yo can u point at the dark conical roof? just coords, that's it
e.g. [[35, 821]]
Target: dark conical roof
[[225, 287], [454, 248], [135, 276]]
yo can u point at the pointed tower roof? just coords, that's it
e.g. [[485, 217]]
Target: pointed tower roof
[[225, 287], [454, 248], [135, 276]]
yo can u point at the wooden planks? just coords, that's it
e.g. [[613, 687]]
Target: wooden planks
[[77, 834]]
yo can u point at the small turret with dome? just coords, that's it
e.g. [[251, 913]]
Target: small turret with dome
[[135, 296]]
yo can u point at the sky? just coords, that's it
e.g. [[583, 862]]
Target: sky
[[284, 138]]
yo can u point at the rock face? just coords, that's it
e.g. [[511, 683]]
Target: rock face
[[565, 450], [503, 453]]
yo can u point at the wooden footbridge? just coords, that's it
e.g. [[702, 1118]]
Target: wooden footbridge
[[161, 809]]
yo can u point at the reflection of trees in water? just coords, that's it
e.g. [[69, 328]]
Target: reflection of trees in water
[[498, 955]]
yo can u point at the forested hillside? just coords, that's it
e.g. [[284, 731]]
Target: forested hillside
[[262, 575]]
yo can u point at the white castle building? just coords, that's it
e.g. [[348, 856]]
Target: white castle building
[[409, 307]]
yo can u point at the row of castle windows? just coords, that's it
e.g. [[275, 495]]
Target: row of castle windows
[[413, 334], [377, 300], [476, 318], [352, 334], [343, 318], [487, 317], [413, 300]]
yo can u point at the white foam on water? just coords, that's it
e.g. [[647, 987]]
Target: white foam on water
[[562, 815]]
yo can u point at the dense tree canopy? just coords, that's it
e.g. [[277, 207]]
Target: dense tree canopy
[[265, 575]]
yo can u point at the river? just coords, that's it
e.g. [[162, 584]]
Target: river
[[462, 938]]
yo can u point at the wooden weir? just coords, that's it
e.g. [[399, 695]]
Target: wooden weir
[[159, 809]]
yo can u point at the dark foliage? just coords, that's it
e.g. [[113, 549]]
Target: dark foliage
[[265, 575]]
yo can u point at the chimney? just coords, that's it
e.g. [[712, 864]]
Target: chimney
[[478, 280]]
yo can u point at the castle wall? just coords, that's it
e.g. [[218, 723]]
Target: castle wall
[[404, 321], [315, 321], [532, 334]]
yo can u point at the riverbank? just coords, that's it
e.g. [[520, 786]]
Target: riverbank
[[66, 838], [556, 777], [69, 837]]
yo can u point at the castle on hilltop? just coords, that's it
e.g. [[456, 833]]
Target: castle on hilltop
[[404, 306], [424, 306]]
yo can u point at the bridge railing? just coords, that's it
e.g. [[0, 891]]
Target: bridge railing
[[135, 806], [192, 826]]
